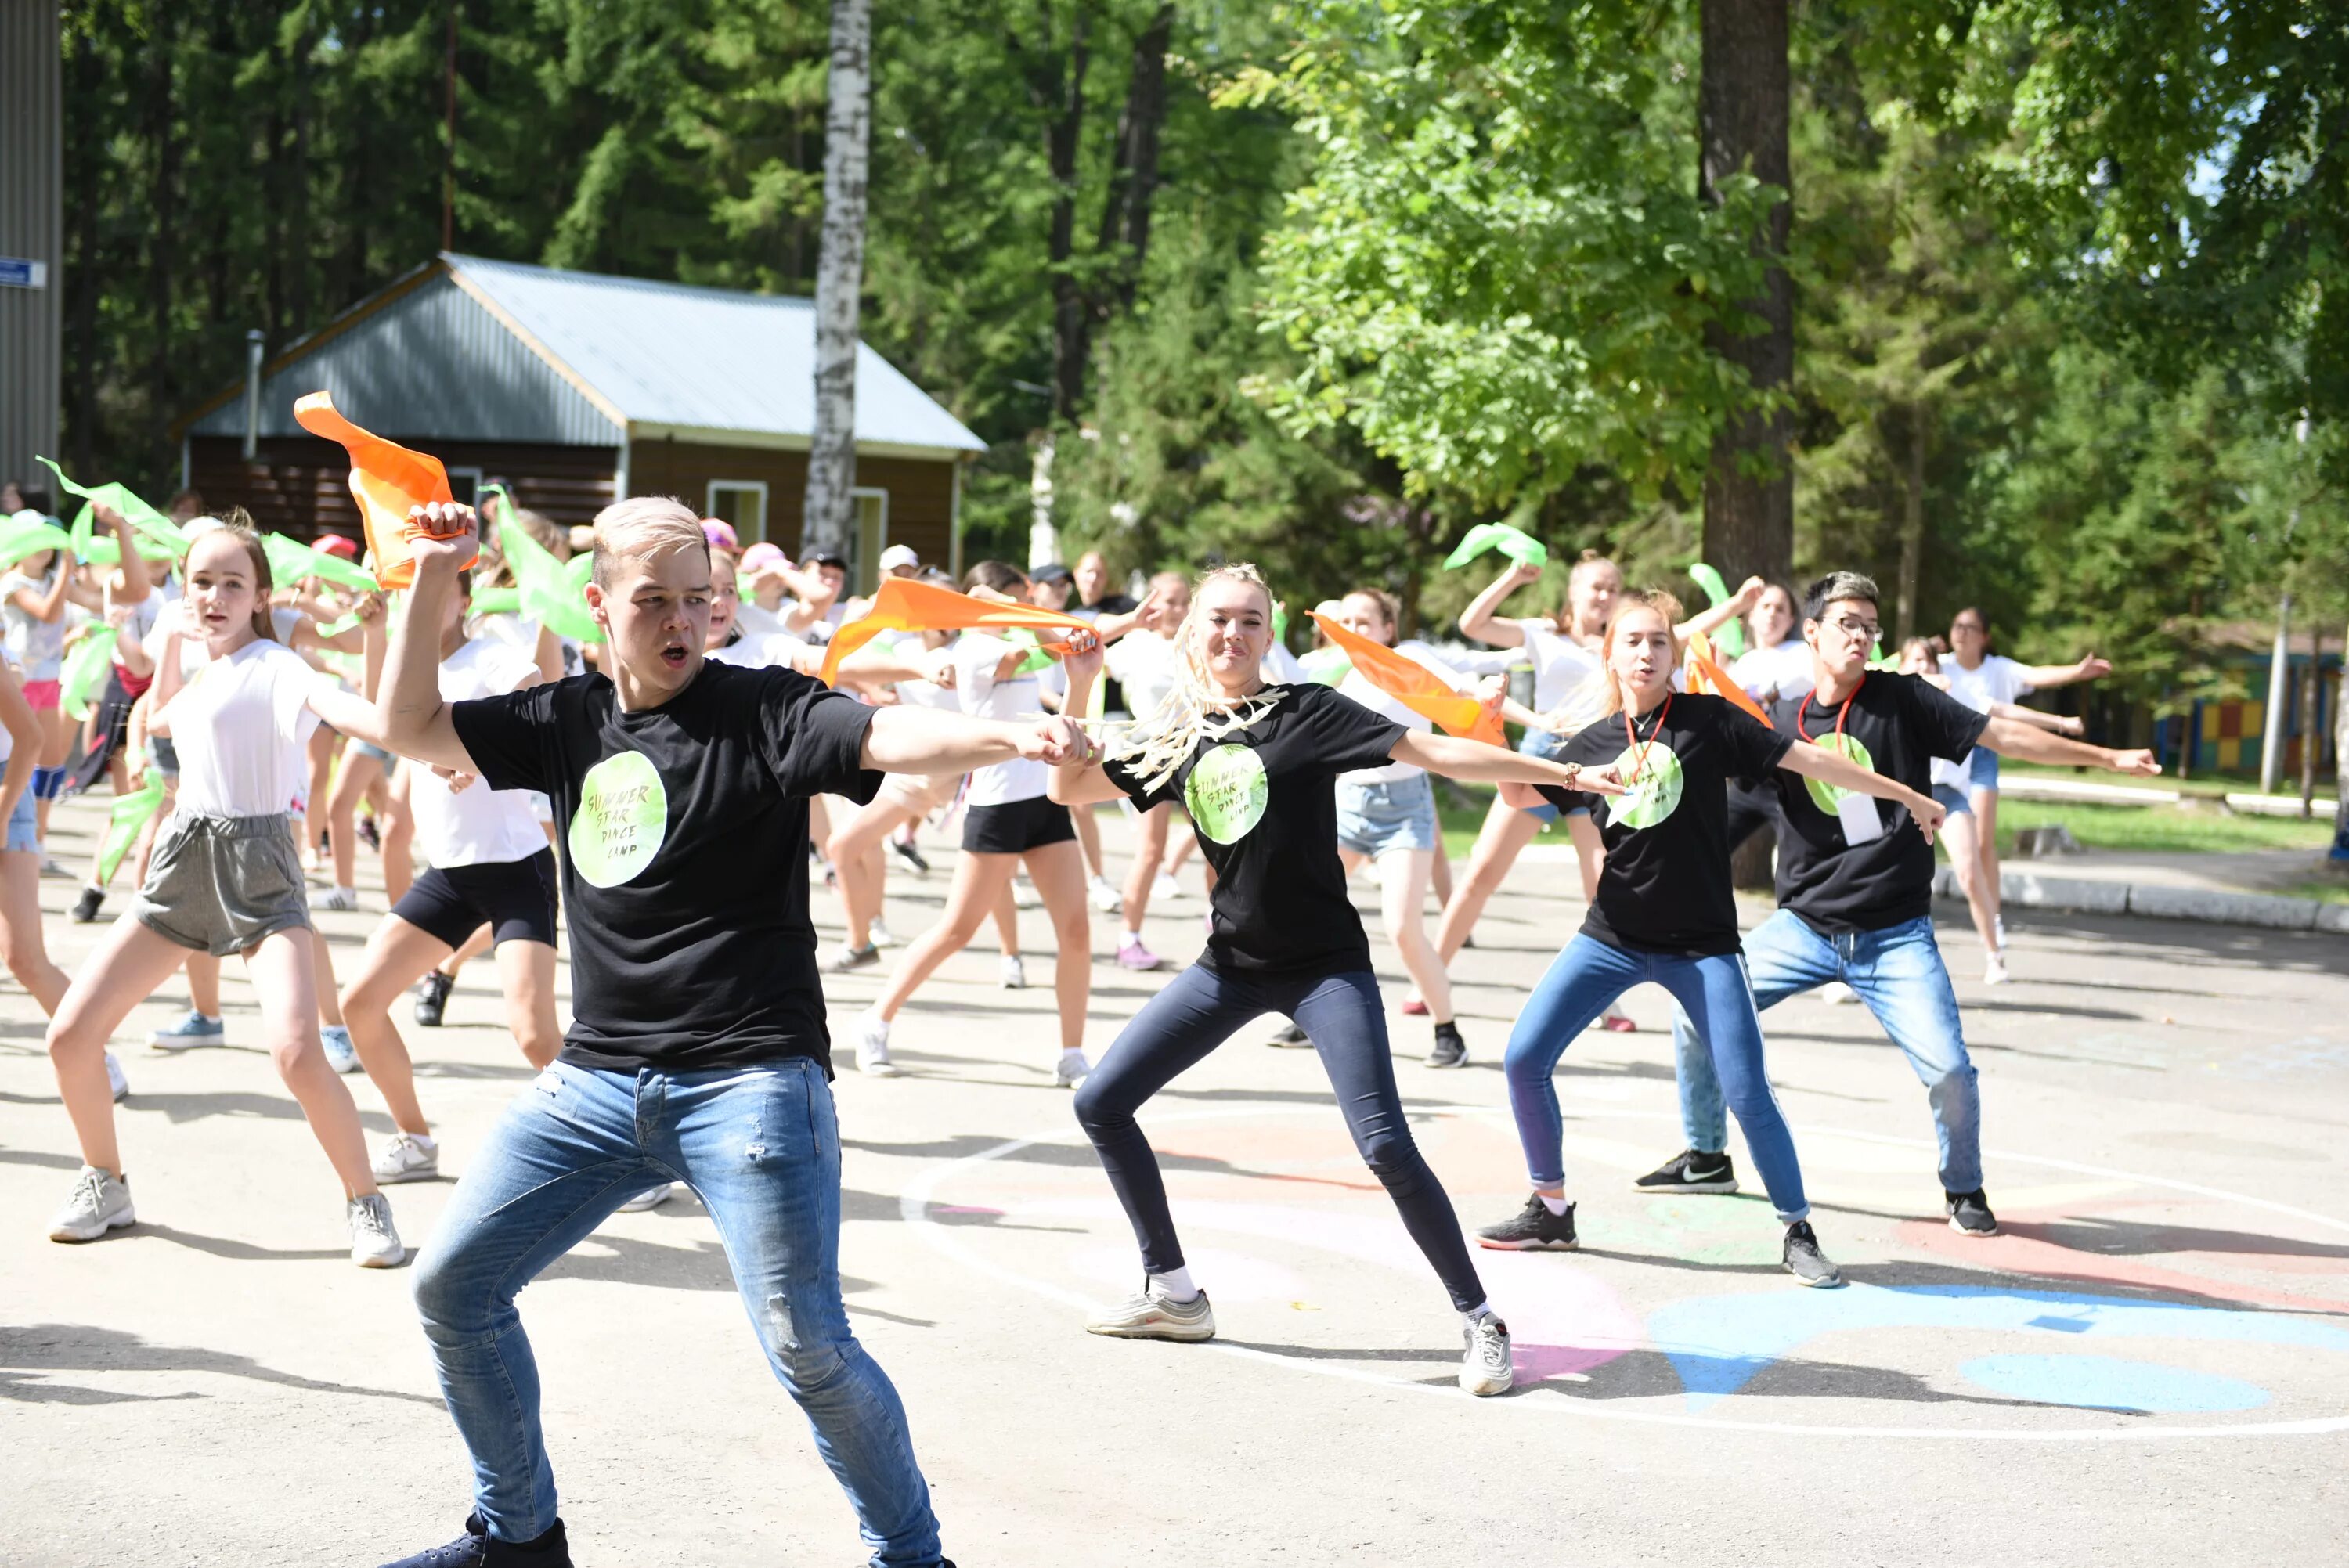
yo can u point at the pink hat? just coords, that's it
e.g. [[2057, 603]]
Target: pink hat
[[763, 554], [337, 544], [719, 533]]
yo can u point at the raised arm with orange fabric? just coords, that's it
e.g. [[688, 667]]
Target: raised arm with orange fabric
[[388, 480]]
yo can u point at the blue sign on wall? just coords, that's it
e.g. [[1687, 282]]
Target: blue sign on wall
[[16, 272]]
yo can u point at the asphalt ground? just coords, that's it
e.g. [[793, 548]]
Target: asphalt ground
[[2150, 1365]]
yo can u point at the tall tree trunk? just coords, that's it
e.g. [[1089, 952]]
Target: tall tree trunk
[[2341, 759], [85, 267], [162, 241], [297, 294], [1912, 532], [1742, 123], [1133, 167], [2311, 682], [1063, 136], [830, 509]]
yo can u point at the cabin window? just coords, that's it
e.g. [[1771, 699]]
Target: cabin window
[[743, 503]]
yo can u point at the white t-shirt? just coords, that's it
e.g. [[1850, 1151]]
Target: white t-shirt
[[759, 651], [1143, 662], [476, 825], [1566, 674], [240, 725], [1358, 688], [35, 647], [1782, 671], [1996, 680], [978, 692]]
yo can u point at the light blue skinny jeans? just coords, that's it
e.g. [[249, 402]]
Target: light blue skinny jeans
[[1569, 998], [760, 1148], [1899, 972]]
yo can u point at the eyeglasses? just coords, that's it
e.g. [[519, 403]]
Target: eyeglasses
[[1857, 629], [1965, 625]]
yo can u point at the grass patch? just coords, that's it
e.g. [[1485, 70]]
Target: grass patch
[[2190, 828], [1460, 809], [2322, 892]]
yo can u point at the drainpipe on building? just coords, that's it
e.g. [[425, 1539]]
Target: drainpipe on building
[[252, 341]]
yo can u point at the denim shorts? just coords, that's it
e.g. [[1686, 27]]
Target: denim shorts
[[1955, 798], [365, 748], [1545, 744], [25, 824], [1373, 819], [1982, 770]]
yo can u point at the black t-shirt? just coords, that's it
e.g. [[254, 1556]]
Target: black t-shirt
[[1665, 886], [1896, 726], [1264, 802], [684, 855]]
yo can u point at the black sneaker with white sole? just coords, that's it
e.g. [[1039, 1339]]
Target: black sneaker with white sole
[[432, 998], [1532, 1228], [910, 856], [477, 1548], [1970, 1213], [1449, 1050], [1291, 1038], [1805, 1261], [1691, 1170], [85, 908]]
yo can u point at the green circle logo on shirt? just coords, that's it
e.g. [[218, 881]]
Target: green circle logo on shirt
[[622, 816], [1226, 792], [1654, 795], [1826, 797]]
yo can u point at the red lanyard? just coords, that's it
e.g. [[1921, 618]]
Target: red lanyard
[[1841, 714], [1631, 739]]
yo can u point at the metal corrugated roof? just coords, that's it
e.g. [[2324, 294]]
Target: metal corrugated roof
[[708, 360], [430, 361]]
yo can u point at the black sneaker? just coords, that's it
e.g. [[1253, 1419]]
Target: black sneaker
[[1691, 1170], [432, 998], [371, 835], [1805, 1261], [1450, 1049], [1532, 1228], [1290, 1038], [1970, 1213], [904, 850], [478, 1549], [86, 910]]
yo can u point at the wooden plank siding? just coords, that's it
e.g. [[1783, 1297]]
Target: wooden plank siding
[[299, 485], [921, 492]]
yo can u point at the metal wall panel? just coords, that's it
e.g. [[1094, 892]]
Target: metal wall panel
[[433, 364], [32, 227]]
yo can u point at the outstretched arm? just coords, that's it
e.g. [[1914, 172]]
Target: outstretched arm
[[411, 718], [2026, 743], [1086, 782], [1480, 763], [932, 741], [2054, 723], [1482, 619], [2089, 667], [1830, 767], [1720, 614]]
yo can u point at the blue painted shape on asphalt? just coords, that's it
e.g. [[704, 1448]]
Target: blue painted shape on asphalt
[[1718, 1343], [2110, 1383]]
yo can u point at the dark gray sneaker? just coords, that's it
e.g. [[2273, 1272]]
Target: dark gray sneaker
[[1805, 1261], [1532, 1228], [1449, 1050], [477, 1548], [1291, 1038], [1970, 1213], [1691, 1170]]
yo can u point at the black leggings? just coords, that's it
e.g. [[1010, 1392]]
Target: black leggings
[[1199, 1011]]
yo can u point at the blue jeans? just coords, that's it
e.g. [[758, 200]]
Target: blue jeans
[[1899, 972], [759, 1147], [1569, 998]]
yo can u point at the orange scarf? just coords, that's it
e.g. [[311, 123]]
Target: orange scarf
[[1415, 687], [906, 605], [388, 480]]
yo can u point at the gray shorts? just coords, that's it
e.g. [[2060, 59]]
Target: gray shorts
[[219, 885]]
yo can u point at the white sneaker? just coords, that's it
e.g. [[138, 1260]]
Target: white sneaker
[[115, 1080], [1485, 1368], [650, 1197], [99, 1202], [1024, 896], [873, 1046], [1998, 928], [342, 899], [878, 936], [1994, 969], [375, 1240], [1166, 887], [1106, 899], [1152, 1314], [847, 958], [1072, 1070], [1836, 994], [407, 1158], [341, 1055], [1015, 974]]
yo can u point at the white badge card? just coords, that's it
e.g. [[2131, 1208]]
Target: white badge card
[[1857, 813]]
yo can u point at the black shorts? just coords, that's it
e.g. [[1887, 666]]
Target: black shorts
[[1016, 827], [515, 899]]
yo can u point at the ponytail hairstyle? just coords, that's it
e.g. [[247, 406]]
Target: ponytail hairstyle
[[237, 523], [1194, 710], [1611, 697]]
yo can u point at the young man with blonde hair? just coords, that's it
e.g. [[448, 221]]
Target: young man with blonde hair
[[698, 1050]]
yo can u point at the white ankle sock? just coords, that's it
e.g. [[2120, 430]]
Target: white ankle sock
[[1175, 1284], [1555, 1205], [1131, 939], [1482, 1309]]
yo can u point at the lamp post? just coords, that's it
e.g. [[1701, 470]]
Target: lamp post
[[2279, 662]]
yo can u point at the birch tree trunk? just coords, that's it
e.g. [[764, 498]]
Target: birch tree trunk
[[829, 511]]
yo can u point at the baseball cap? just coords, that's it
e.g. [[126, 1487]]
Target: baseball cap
[[898, 555], [826, 558], [720, 534], [1051, 572], [340, 546], [762, 555]]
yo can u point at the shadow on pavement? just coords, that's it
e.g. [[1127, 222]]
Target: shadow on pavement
[[30, 1354]]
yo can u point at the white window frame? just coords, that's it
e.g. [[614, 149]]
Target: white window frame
[[476, 475], [758, 486], [857, 565]]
